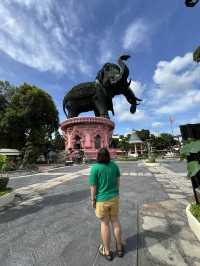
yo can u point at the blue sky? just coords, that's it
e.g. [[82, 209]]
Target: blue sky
[[58, 44]]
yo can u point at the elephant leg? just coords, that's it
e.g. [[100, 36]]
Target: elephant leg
[[96, 113], [72, 112], [101, 109]]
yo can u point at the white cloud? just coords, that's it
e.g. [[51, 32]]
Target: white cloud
[[157, 124], [105, 56], [136, 34], [122, 111], [177, 76], [182, 103], [84, 67], [193, 120], [106, 47], [138, 88], [41, 34]]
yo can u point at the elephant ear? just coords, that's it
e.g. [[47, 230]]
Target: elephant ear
[[100, 74]]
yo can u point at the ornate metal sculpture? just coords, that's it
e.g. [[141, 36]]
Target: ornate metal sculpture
[[97, 96], [191, 3]]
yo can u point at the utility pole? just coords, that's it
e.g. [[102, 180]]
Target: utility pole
[[171, 121]]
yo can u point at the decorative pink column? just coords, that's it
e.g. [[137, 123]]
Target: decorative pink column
[[88, 129]]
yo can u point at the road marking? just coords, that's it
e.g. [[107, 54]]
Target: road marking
[[137, 174], [41, 173], [42, 186]]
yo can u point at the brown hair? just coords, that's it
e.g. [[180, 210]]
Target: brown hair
[[103, 156]]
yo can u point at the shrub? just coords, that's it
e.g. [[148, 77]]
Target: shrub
[[152, 159], [5, 191], [191, 152], [3, 162], [195, 210]]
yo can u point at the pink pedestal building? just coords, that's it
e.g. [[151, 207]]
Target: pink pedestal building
[[88, 134]]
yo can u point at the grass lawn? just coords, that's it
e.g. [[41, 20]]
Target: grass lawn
[[5, 191], [195, 210]]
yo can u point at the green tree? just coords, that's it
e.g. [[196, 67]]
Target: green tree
[[6, 93], [114, 143], [164, 141], [123, 144], [58, 142], [143, 134], [29, 120]]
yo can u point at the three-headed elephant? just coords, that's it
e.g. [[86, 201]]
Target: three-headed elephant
[[97, 96]]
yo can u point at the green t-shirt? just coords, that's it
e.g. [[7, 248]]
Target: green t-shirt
[[105, 178]]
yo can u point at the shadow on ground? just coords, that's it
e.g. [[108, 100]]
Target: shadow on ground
[[15, 212]]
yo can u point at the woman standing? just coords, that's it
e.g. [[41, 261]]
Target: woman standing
[[104, 187]]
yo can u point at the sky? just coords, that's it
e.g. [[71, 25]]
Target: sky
[[56, 44]]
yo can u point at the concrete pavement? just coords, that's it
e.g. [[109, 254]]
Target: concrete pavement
[[167, 237], [54, 224]]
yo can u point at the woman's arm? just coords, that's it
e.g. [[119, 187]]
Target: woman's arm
[[93, 196]]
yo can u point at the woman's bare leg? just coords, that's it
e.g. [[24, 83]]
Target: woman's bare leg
[[105, 234], [117, 231]]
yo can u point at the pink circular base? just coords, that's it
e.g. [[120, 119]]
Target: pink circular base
[[87, 129]]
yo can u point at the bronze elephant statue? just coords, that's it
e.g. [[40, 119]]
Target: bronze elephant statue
[[97, 96]]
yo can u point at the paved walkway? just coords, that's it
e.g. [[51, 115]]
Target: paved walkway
[[166, 235], [51, 221]]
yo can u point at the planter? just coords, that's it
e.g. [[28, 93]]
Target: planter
[[7, 198], [3, 182], [193, 223]]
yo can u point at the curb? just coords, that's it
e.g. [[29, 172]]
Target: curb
[[151, 164], [193, 223], [7, 198]]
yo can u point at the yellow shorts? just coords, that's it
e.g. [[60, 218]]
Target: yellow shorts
[[107, 208]]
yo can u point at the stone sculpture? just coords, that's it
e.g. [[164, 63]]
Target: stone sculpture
[[97, 96]]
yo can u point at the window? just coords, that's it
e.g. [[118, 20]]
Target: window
[[97, 142], [77, 144]]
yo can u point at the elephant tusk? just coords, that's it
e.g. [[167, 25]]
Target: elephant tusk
[[138, 99]]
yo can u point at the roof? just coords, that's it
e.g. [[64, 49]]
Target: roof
[[134, 138], [115, 137], [10, 152]]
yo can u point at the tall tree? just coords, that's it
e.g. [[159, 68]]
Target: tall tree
[[29, 120], [143, 134], [163, 142]]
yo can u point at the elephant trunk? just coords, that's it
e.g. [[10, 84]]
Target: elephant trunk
[[191, 3], [132, 99], [124, 71]]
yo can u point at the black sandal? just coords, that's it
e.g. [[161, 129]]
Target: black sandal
[[108, 257], [120, 252]]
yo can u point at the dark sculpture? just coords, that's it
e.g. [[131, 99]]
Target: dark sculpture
[[97, 96], [191, 3]]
